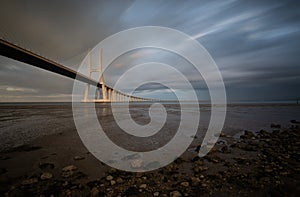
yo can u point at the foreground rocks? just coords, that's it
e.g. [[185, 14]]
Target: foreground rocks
[[258, 163]]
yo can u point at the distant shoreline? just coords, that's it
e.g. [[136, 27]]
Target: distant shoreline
[[230, 103]]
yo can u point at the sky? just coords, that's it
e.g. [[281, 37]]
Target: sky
[[254, 43]]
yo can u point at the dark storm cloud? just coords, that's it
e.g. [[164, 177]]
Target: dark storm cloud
[[254, 43]]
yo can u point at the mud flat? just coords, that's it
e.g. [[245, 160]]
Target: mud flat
[[260, 163]]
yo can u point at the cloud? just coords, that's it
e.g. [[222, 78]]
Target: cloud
[[254, 43], [18, 89]]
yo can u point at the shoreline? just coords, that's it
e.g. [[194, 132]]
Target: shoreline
[[255, 164]]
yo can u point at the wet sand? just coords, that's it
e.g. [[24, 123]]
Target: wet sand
[[261, 163]]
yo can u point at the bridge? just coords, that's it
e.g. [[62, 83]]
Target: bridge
[[104, 92]]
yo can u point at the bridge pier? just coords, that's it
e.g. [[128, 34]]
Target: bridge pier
[[98, 93], [86, 93], [114, 96]]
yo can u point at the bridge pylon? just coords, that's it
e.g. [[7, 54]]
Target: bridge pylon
[[104, 92]]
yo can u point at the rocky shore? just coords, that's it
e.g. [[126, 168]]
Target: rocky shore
[[257, 163]]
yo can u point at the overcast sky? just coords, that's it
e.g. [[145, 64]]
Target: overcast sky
[[256, 44]]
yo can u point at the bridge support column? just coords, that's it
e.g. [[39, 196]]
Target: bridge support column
[[109, 95], [104, 92], [86, 92], [98, 93], [115, 96], [112, 95]]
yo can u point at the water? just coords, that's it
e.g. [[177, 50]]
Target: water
[[22, 122]]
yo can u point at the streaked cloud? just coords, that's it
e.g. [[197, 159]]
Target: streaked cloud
[[255, 43]]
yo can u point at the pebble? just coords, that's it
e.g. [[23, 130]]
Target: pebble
[[136, 163], [195, 181], [184, 184], [119, 180], [69, 168], [94, 192], [247, 135], [109, 178], [175, 194], [78, 158], [112, 182], [46, 175], [143, 186], [30, 181], [204, 185], [156, 194], [295, 122], [68, 171]]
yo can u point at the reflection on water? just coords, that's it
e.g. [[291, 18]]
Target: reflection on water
[[20, 123]]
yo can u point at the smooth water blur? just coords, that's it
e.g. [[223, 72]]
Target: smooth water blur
[[22, 122]]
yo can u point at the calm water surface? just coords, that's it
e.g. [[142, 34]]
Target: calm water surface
[[20, 123]]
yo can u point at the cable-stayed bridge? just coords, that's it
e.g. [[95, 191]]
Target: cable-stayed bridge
[[104, 92]]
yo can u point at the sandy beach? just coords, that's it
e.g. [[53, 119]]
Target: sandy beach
[[256, 162]]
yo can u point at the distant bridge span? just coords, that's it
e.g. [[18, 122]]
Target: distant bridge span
[[15, 52]]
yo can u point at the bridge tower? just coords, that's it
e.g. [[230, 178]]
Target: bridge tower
[[106, 92]]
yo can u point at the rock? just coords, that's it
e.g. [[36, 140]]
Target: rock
[[136, 163], [109, 178], [94, 192], [204, 185], [143, 186], [29, 181], [69, 168], [248, 135], [275, 126], [156, 194], [268, 169], [225, 149], [119, 180], [264, 133], [66, 183], [46, 175], [175, 194], [68, 171], [184, 184], [223, 134], [195, 181], [221, 142], [78, 158], [295, 122], [112, 182]]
